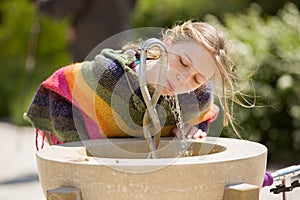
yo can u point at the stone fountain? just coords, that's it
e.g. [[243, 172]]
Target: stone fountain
[[118, 168]]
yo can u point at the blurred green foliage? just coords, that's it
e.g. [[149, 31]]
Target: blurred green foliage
[[269, 47], [165, 13], [33, 46]]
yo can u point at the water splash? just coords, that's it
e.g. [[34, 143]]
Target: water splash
[[175, 108]]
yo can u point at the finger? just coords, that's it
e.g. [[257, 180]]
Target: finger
[[204, 134], [188, 126], [189, 129], [192, 132], [177, 131], [174, 131], [199, 134]]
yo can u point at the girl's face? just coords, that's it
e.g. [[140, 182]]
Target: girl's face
[[190, 66]]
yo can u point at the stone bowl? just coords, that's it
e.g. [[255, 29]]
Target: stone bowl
[[119, 169]]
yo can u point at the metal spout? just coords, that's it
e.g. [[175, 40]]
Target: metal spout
[[151, 123]]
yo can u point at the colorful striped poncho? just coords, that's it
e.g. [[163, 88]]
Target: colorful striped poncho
[[101, 98]]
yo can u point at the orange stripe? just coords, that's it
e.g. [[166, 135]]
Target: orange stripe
[[210, 114]]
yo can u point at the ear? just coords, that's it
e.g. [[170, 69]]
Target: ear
[[167, 41]]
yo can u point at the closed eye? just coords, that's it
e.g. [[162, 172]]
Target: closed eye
[[199, 79], [183, 62]]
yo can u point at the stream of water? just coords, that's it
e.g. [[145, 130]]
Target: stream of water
[[175, 108]]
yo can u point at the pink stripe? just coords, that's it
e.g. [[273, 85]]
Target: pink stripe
[[59, 84], [92, 127], [215, 110]]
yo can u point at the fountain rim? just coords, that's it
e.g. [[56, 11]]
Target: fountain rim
[[236, 149]]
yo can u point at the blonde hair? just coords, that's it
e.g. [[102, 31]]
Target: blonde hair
[[213, 41]]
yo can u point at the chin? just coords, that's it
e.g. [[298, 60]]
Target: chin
[[167, 92]]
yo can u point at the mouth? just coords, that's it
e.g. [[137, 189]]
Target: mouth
[[170, 87]]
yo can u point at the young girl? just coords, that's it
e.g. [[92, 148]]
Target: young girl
[[101, 98]]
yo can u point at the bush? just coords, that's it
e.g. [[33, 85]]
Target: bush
[[269, 46], [33, 47], [165, 13]]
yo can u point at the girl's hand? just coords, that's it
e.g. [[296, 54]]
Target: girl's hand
[[191, 132]]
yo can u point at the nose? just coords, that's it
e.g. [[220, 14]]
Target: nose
[[182, 78], [185, 76], [179, 77]]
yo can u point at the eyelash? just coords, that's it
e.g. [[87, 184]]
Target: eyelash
[[196, 81], [180, 60]]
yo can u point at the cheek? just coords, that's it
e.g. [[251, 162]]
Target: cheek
[[173, 62], [174, 68], [185, 86]]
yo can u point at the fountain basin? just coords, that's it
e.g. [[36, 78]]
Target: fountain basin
[[117, 168]]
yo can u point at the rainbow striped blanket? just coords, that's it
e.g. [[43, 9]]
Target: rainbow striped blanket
[[101, 98]]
